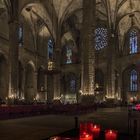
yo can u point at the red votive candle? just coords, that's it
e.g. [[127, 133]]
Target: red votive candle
[[96, 131], [111, 135], [83, 128], [86, 127], [89, 127], [86, 136]]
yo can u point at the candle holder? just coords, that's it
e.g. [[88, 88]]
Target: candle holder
[[89, 127], [86, 127], [111, 135], [96, 131], [86, 136], [86, 131]]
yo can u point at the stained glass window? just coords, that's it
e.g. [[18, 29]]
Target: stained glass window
[[20, 36], [68, 55], [101, 38], [73, 85], [133, 42], [50, 49], [133, 81]]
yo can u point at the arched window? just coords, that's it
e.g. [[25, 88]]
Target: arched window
[[133, 46], [68, 55], [73, 85], [50, 49], [133, 81], [101, 38]]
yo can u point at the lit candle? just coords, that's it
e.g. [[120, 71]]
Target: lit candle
[[86, 127], [96, 131], [89, 126], [55, 138], [86, 136], [83, 128], [111, 135], [86, 131]]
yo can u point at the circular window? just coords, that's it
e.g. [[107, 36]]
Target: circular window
[[101, 38]]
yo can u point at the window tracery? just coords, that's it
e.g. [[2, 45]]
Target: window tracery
[[68, 55], [73, 85], [133, 46], [133, 81], [101, 38], [50, 49]]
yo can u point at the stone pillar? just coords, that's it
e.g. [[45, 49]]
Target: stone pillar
[[50, 88], [78, 88], [119, 85], [13, 49], [88, 44], [111, 69], [23, 85], [57, 86], [45, 87], [57, 57], [35, 84]]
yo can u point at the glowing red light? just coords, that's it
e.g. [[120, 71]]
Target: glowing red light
[[138, 107], [96, 131], [87, 136], [111, 135]]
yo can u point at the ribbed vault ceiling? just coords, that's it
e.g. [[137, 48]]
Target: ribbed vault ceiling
[[4, 30], [119, 15], [119, 12]]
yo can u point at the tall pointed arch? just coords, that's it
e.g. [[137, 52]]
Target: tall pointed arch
[[133, 42], [50, 49], [133, 80]]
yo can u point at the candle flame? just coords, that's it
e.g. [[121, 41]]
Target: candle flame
[[95, 126]]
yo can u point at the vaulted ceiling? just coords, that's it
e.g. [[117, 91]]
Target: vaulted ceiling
[[52, 13], [4, 30], [118, 15]]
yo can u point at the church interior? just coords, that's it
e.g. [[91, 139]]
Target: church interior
[[50, 50], [71, 52]]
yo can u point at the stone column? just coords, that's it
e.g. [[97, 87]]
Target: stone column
[[88, 44], [57, 58], [45, 87], [111, 68], [119, 85], [35, 84], [50, 88], [13, 49], [56, 86], [78, 87], [23, 85]]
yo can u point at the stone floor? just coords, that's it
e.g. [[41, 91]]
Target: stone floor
[[38, 128]]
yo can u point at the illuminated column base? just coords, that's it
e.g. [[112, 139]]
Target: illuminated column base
[[86, 98], [88, 55]]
